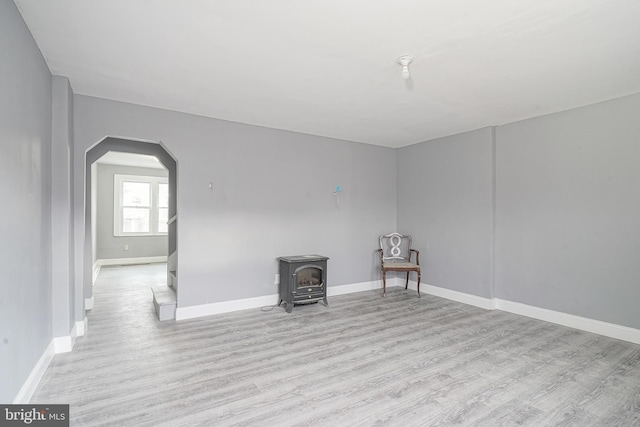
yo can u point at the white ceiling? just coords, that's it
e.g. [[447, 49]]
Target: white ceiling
[[129, 159], [328, 67]]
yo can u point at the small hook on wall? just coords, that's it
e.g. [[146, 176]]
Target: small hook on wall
[[336, 193]]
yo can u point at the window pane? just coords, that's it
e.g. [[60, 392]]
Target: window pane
[[135, 220], [163, 217], [163, 195], [136, 193]]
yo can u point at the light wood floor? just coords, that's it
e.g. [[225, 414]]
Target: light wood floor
[[363, 361]]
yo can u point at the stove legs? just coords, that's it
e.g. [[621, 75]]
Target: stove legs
[[288, 306]]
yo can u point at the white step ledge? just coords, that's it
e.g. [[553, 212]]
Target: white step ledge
[[164, 301]]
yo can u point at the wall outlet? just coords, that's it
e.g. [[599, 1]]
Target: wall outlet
[[277, 281], [126, 247]]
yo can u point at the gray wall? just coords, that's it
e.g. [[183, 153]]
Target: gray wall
[[568, 211], [445, 193], [552, 211], [63, 292], [25, 219], [108, 245], [272, 196]]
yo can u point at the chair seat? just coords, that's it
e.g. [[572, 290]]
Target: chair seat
[[400, 266], [396, 255]]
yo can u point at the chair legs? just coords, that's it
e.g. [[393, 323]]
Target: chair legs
[[406, 284], [384, 283]]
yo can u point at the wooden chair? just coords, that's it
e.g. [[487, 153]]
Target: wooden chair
[[395, 255]]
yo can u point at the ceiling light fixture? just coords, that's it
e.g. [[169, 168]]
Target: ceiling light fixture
[[405, 61]]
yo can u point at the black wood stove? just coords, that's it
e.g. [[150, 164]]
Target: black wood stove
[[303, 280]]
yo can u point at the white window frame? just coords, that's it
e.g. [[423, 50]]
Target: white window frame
[[154, 209]]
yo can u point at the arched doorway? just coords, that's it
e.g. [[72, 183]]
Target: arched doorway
[[122, 145]]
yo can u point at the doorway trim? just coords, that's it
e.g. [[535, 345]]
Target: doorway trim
[[133, 146]]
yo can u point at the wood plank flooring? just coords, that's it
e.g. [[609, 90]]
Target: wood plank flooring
[[363, 361]]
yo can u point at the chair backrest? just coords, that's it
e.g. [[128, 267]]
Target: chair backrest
[[396, 247]]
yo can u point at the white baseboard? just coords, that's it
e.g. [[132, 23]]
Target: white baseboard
[[612, 330], [94, 273], [469, 299], [194, 311], [131, 261], [354, 287], [88, 303], [56, 346], [63, 344], [30, 385], [82, 325]]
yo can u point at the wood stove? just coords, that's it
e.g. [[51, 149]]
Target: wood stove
[[303, 280]]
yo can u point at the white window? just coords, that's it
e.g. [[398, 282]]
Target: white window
[[141, 205]]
